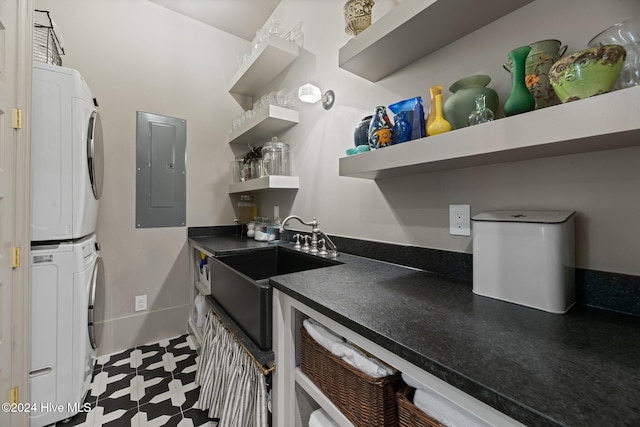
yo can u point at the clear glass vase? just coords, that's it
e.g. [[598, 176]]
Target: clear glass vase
[[481, 114]]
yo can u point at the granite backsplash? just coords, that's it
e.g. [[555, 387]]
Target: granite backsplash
[[600, 289]]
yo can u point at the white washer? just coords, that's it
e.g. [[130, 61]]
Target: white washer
[[66, 155], [67, 297]]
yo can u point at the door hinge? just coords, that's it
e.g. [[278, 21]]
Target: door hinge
[[14, 396], [16, 258], [16, 118]]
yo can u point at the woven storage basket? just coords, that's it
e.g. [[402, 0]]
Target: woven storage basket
[[409, 415], [366, 401]]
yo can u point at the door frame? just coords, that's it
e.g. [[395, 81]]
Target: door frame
[[22, 184]]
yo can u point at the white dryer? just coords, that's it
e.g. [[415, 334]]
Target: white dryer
[[67, 306], [66, 155]]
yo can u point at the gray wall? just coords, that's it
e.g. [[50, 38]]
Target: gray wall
[[414, 210], [137, 55]]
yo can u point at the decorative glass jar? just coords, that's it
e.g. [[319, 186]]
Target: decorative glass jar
[[276, 158], [481, 114]]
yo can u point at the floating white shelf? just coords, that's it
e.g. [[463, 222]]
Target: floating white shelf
[[603, 122], [263, 65], [267, 123], [414, 29], [274, 182]]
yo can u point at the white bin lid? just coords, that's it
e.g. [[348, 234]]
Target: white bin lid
[[546, 217]]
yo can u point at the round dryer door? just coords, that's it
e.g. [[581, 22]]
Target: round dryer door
[[95, 154], [96, 304]]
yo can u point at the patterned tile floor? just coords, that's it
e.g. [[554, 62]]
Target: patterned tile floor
[[150, 385]]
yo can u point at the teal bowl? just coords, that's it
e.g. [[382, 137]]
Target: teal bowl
[[587, 73]]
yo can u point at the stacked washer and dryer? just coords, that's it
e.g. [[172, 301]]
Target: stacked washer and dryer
[[67, 277]]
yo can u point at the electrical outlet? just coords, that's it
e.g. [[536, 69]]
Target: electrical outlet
[[141, 302], [460, 220]]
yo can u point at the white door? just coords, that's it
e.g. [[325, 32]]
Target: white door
[[15, 18]]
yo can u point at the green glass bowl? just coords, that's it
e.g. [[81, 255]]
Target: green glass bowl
[[587, 73]]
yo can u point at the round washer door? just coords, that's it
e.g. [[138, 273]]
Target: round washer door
[[95, 154], [96, 304]]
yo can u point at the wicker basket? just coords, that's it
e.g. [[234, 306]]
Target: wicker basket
[[366, 401], [409, 415]]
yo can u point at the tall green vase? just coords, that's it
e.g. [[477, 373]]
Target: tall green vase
[[520, 99]]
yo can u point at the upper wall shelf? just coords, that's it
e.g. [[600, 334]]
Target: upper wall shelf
[[269, 122], [263, 65], [603, 122], [414, 29], [275, 182]]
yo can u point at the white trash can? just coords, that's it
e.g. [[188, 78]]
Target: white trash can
[[526, 257]]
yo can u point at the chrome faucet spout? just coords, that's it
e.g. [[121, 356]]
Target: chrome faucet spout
[[315, 232], [312, 223]]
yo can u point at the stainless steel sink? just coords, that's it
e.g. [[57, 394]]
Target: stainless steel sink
[[240, 284]]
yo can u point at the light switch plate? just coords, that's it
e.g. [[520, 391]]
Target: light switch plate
[[460, 220]]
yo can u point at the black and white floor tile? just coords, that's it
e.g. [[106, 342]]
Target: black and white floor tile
[[151, 385]]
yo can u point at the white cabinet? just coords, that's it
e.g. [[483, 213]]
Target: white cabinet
[[295, 396], [603, 122]]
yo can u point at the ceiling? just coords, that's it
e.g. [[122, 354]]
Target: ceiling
[[238, 17]]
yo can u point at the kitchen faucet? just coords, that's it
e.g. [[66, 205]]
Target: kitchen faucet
[[315, 232]]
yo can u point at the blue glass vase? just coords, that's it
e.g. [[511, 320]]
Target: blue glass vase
[[401, 129]]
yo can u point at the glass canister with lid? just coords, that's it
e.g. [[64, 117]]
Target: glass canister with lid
[[247, 209], [276, 158]]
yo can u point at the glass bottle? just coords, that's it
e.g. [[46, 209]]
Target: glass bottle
[[247, 209], [481, 114], [260, 233]]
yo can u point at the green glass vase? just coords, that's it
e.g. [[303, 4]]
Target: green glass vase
[[459, 105], [520, 99]]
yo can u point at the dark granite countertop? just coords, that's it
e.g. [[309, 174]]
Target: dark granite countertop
[[215, 245], [577, 369]]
